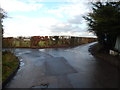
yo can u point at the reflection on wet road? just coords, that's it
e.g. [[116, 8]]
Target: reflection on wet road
[[63, 68]]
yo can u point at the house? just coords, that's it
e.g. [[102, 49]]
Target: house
[[26, 39]]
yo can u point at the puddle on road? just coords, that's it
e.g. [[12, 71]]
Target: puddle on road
[[41, 86], [23, 52], [41, 50], [22, 64]]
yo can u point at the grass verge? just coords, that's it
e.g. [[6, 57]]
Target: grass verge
[[99, 52], [9, 64]]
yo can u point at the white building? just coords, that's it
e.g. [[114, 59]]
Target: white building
[[117, 45]]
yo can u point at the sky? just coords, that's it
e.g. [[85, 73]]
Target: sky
[[45, 17]]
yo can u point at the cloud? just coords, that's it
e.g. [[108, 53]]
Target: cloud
[[62, 19], [27, 26], [73, 1], [17, 5], [56, 12], [62, 27], [68, 29], [74, 24], [72, 12], [69, 9], [76, 19]]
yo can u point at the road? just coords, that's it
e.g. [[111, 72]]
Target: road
[[63, 68]]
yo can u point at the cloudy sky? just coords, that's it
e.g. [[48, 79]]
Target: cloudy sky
[[45, 17]]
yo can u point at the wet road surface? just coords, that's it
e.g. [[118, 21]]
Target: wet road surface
[[63, 68]]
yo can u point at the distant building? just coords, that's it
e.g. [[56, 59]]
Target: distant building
[[26, 39]]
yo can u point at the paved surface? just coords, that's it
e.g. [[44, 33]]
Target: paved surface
[[63, 68]]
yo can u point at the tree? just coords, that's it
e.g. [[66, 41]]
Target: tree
[[56, 39], [2, 16], [20, 38], [103, 21]]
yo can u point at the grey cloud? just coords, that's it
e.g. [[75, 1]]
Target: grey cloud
[[76, 20], [66, 28], [75, 25], [57, 28]]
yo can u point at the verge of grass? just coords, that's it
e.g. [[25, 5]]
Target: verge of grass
[[99, 52], [9, 64]]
